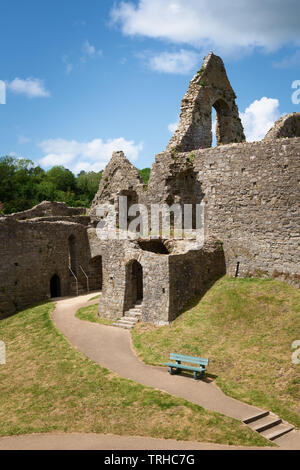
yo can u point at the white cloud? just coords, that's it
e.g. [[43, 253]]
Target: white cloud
[[173, 127], [88, 156], [259, 117], [68, 64], [225, 26], [30, 87], [181, 62], [90, 51]]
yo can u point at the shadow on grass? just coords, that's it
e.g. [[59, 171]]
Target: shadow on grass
[[28, 307], [208, 378]]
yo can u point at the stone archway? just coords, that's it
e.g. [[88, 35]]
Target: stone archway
[[134, 288], [209, 88], [55, 288], [224, 122]]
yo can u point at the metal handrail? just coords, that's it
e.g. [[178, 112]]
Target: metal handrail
[[75, 280], [87, 279]]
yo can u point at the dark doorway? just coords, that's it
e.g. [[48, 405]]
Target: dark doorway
[[55, 290], [134, 291], [137, 274], [96, 273]]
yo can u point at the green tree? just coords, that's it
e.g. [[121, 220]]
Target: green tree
[[62, 178], [87, 185]]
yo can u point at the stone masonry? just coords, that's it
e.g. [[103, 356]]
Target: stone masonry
[[209, 88], [251, 198]]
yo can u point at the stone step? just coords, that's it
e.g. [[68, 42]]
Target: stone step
[[277, 431], [256, 417], [126, 327], [127, 320], [265, 423], [133, 315]]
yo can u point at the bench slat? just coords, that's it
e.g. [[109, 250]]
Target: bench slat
[[183, 366], [191, 359]]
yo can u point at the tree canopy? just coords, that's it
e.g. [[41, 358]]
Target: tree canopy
[[24, 185]]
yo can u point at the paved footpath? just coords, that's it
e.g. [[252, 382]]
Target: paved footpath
[[105, 442], [111, 348]]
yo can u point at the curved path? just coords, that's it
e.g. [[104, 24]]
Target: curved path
[[111, 348], [105, 442]]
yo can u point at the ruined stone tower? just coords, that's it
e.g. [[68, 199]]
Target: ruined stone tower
[[209, 88]]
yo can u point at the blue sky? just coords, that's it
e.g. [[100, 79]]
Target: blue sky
[[85, 78]]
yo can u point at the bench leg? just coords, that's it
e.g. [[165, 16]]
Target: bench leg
[[174, 371], [199, 375]]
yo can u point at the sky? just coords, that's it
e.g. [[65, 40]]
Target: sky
[[84, 78]]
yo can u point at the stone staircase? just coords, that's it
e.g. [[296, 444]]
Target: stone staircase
[[131, 318], [73, 288], [269, 425]]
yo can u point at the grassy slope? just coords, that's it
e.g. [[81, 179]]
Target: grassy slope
[[90, 313], [48, 386], [246, 327]]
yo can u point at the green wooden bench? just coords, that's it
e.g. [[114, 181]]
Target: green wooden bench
[[198, 367]]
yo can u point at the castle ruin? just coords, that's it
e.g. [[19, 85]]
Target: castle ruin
[[250, 194]]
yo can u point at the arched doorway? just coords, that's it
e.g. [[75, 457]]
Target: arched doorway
[[134, 289], [55, 290], [96, 273], [137, 274]]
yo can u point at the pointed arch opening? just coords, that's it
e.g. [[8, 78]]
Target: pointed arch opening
[[134, 289], [55, 288], [224, 122]]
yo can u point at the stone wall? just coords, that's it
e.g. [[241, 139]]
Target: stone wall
[[169, 280], [48, 209], [116, 299], [252, 198], [31, 254], [192, 273]]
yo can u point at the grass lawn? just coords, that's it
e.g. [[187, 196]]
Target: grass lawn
[[246, 327], [48, 386], [90, 313], [95, 298]]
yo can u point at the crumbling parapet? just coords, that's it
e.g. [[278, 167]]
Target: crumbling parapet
[[120, 178], [286, 126], [209, 88]]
